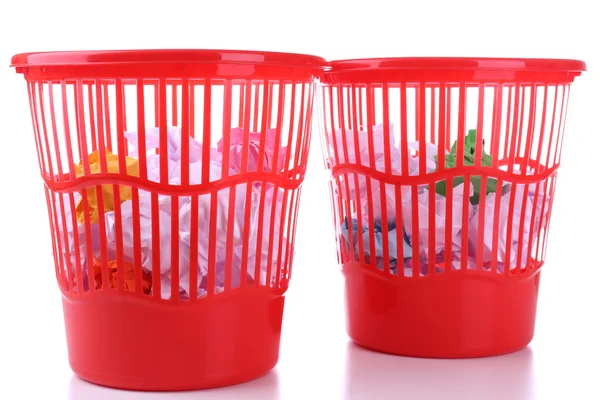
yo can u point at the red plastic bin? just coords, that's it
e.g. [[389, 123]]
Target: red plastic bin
[[172, 180], [442, 177]]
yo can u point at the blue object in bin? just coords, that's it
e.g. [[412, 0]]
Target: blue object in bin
[[378, 235]]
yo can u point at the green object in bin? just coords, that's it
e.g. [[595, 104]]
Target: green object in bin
[[469, 160]]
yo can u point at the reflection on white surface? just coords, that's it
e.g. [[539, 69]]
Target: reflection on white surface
[[265, 388], [372, 375]]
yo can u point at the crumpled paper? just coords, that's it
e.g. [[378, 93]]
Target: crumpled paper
[[271, 196], [185, 211], [145, 223], [112, 164], [431, 152], [388, 197], [440, 218], [362, 147], [152, 141], [254, 140], [406, 191], [70, 229], [204, 234], [69, 254], [503, 223], [348, 187], [363, 152], [174, 149], [221, 208]]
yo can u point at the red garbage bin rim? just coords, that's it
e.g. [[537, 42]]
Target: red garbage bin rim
[[457, 63], [190, 56]]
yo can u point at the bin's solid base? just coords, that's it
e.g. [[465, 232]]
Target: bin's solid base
[[133, 343], [448, 315]]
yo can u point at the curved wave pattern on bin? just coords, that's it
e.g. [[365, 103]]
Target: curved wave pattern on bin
[[141, 202], [400, 209]]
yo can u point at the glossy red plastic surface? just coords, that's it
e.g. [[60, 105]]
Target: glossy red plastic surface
[[126, 326], [133, 343], [448, 64], [454, 70], [473, 291], [194, 63], [185, 56], [448, 316]]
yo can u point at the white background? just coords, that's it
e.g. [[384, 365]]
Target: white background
[[317, 360]]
